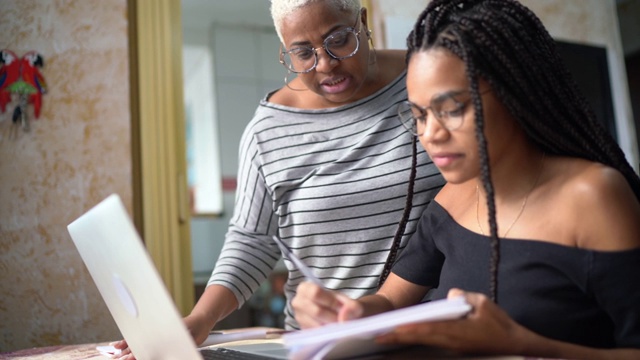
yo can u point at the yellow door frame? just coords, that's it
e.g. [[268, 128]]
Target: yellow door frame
[[161, 210]]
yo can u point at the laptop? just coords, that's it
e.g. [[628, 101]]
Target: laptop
[[143, 310], [132, 289]]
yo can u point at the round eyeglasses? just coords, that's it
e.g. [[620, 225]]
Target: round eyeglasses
[[339, 45], [446, 108]]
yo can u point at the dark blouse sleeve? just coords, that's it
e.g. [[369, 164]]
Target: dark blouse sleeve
[[421, 261], [615, 283]]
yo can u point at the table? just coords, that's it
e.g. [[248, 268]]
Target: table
[[60, 352], [88, 351]]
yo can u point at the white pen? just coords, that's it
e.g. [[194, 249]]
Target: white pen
[[304, 269]]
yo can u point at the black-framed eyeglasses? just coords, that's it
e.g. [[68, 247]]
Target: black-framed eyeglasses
[[447, 108], [339, 45]]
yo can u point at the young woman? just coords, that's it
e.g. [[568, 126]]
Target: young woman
[[538, 226]]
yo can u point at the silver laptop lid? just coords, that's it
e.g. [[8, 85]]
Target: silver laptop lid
[[131, 287]]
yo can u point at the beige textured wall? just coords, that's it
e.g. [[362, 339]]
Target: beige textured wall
[[77, 153]]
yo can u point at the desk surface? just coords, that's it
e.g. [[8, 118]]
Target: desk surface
[[88, 351], [67, 352]]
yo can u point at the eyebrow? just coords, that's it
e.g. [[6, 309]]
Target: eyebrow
[[437, 98], [324, 36], [441, 96]]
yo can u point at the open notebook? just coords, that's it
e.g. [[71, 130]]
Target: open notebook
[[141, 306], [355, 337]]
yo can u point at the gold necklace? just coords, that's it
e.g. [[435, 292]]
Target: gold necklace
[[524, 202]]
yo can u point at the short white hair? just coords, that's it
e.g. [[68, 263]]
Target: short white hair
[[280, 9]]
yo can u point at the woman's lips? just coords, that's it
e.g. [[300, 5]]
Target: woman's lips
[[335, 85], [444, 160]]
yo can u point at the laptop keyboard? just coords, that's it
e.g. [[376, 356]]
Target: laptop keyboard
[[230, 354]]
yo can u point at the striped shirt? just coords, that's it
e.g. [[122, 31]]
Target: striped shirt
[[332, 183]]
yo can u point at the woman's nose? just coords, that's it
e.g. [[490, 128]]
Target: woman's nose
[[433, 129], [326, 62]]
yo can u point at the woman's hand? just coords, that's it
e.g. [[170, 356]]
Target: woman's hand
[[315, 306], [486, 329], [125, 352], [198, 326]]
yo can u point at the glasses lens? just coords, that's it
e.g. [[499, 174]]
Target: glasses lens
[[300, 59], [449, 112], [342, 44], [407, 117]]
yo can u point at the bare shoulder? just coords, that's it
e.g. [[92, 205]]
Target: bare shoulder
[[395, 56], [594, 182], [283, 96], [601, 204], [288, 97], [391, 63]]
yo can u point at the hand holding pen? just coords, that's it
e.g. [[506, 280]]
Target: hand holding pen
[[313, 304], [304, 269]]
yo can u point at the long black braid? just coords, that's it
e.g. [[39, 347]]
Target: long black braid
[[397, 239], [504, 43]]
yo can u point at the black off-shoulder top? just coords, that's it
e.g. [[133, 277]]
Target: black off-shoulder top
[[584, 297]]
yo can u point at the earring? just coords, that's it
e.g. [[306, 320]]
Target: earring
[[373, 57], [286, 82]]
